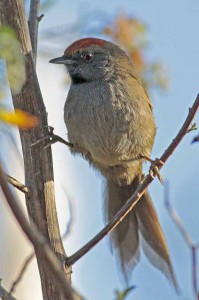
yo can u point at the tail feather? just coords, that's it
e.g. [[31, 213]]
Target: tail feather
[[154, 243], [143, 218], [125, 238]]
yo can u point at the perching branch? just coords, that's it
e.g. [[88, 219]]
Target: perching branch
[[139, 191], [18, 185], [193, 246], [42, 249]]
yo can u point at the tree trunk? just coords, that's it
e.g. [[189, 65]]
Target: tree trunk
[[37, 160]]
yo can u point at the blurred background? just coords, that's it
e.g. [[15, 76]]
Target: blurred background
[[162, 39]]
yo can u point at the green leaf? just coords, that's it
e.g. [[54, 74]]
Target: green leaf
[[122, 295], [10, 50], [193, 127]]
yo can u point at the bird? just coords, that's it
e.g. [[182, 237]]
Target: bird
[[110, 122]]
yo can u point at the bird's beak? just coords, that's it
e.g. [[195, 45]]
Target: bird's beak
[[62, 60]]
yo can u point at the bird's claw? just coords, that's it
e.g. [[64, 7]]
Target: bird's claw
[[56, 138], [154, 169], [53, 139]]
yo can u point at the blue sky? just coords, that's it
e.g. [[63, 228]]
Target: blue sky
[[173, 38]]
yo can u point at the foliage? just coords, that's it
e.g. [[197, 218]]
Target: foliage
[[132, 35], [10, 51], [122, 295]]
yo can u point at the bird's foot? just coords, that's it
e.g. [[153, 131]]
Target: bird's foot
[[154, 168], [53, 139]]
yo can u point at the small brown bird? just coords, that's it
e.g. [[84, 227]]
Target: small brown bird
[[110, 122]]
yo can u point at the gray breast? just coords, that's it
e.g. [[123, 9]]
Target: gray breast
[[102, 122]]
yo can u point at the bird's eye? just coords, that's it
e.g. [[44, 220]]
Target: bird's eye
[[87, 56]]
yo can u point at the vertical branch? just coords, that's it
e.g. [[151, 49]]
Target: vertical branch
[[33, 22], [39, 176]]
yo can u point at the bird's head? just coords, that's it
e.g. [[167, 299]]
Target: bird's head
[[90, 59]]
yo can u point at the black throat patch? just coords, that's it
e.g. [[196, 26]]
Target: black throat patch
[[77, 79]]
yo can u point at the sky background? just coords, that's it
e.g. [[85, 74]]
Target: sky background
[[173, 39]]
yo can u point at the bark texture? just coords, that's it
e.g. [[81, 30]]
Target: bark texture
[[38, 162]]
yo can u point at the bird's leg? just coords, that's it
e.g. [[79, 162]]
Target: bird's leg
[[154, 168], [56, 138], [53, 139]]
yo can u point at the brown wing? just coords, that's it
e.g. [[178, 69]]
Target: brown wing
[[136, 82]]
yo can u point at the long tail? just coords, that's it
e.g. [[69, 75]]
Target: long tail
[[143, 219]]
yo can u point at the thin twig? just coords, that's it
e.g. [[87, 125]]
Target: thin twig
[[193, 246], [194, 271], [174, 216], [22, 272], [18, 185], [71, 216], [131, 202], [40, 244], [40, 17], [33, 22], [5, 295]]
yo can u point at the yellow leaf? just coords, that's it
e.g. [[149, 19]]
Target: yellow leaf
[[21, 118]]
